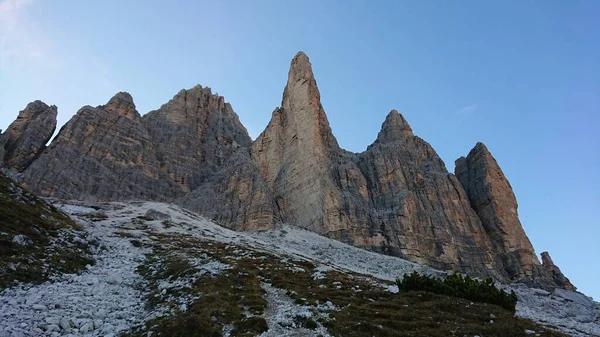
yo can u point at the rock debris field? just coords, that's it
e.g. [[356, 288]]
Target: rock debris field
[[108, 299]]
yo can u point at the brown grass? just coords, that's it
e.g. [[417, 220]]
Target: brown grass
[[365, 307], [23, 213]]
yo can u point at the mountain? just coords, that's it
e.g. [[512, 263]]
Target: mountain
[[193, 135], [26, 138], [102, 153], [395, 198]]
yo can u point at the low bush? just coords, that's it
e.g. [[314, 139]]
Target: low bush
[[458, 286]]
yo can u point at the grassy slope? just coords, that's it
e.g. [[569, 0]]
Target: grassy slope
[[235, 298], [52, 249]]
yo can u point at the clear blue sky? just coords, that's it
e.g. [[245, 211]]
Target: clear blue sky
[[521, 76]]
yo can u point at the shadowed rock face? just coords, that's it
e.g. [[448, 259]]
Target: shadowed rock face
[[557, 276], [193, 135], [26, 138], [102, 153], [492, 197], [235, 196]]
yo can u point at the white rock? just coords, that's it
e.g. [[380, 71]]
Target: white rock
[[65, 324], [52, 328], [115, 279], [100, 314], [39, 307], [529, 332], [87, 327], [22, 240], [32, 300], [574, 297]]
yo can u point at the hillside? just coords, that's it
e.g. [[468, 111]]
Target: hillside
[[36, 240], [168, 271]]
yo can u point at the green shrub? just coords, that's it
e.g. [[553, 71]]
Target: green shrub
[[457, 286]]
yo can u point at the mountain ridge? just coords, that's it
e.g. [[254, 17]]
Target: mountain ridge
[[396, 197]]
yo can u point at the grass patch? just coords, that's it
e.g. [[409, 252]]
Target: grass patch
[[250, 326], [347, 304], [50, 245]]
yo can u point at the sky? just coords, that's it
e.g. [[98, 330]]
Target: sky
[[523, 77]]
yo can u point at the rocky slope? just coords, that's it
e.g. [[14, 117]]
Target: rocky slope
[[395, 198], [37, 241], [165, 271]]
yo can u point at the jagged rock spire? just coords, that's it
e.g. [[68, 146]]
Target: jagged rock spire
[[193, 134], [294, 151], [555, 273], [26, 138], [102, 153], [121, 103], [394, 128], [492, 197]]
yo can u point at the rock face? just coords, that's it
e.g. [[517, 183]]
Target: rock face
[[26, 138], [111, 153], [293, 153], [418, 208], [491, 196], [193, 135], [102, 153], [557, 276], [236, 196], [396, 198]]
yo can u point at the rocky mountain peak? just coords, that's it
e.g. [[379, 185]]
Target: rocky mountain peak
[[396, 198], [492, 197], [122, 104], [26, 138], [300, 68], [394, 128], [555, 273]]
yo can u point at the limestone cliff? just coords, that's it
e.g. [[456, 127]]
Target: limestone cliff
[[397, 197], [102, 153], [26, 138], [235, 196], [492, 197], [418, 207], [557, 276], [193, 135]]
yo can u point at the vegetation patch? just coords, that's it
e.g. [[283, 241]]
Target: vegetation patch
[[231, 301], [36, 240], [457, 286]]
